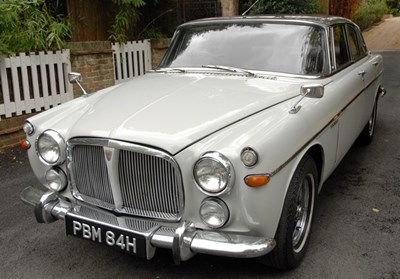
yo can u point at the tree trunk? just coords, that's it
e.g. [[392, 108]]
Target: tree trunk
[[230, 7]]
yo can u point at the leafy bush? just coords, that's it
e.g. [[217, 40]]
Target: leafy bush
[[394, 7], [281, 7], [370, 12], [27, 26]]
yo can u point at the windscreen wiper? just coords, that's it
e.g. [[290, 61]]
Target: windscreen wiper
[[230, 69], [170, 70]]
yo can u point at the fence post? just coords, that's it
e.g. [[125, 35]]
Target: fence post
[[5, 89]]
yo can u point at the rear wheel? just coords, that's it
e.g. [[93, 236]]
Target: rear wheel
[[295, 222], [368, 132]]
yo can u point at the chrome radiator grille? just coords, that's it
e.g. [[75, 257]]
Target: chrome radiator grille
[[91, 176], [125, 178]]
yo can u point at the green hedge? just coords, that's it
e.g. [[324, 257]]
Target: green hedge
[[370, 12]]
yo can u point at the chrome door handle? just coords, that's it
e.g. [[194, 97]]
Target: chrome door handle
[[362, 73], [375, 63]]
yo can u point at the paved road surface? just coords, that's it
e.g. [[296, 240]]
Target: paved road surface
[[384, 36]]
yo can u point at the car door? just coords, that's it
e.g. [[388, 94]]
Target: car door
[[370, 71], [349, 87]]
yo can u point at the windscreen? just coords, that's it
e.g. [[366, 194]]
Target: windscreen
[[285, 48]]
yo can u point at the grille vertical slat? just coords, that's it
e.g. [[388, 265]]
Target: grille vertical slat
[[148, 184], [144, 187], [91, 176]]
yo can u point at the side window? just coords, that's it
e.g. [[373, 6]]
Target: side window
[[313, 60], [342, 56], [354, 45]]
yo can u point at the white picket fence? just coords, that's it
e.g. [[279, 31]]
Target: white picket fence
[[131, 59], [36, 82], [32, 83]]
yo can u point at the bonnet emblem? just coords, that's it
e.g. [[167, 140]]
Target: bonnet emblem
[[108, 152]]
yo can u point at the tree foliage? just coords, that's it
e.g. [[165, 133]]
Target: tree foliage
[[127, 15], [281, 7], [394, 7], [27, 26]]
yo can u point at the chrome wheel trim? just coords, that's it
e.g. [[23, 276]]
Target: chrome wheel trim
[[304, 212]]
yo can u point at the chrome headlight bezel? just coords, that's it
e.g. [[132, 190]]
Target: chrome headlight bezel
[[216, 166], [56, 179], [50, 142], [214, 213]]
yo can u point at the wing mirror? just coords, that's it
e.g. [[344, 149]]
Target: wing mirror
[[73, 77], [315, 91], [76, 78]]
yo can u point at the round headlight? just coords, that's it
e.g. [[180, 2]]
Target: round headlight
[[214, 213], [51, 147], [213, 172], [56, 179]]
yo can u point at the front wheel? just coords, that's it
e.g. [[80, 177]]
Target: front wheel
[[295, 222]]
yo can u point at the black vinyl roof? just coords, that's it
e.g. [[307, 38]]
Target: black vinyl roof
[[323, 20]]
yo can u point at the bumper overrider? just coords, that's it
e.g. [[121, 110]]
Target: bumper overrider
[[141, 237]]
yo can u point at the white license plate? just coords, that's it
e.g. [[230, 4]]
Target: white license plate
[[99, 233]]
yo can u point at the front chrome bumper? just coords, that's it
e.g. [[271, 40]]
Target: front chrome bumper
[[183, 239]]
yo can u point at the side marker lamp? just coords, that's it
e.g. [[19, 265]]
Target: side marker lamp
[[28, 128], [249, 157], [257, 180], [25, 144]]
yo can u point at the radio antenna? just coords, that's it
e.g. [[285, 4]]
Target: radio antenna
[[251, 7]]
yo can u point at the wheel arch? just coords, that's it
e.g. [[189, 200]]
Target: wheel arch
[[317, 153]]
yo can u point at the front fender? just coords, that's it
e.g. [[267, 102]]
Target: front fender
[[281, 140]]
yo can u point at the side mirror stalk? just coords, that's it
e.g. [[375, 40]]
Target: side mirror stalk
[[77, 78], [315, 91]]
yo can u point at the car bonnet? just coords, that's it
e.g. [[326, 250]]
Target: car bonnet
[[171, 111]]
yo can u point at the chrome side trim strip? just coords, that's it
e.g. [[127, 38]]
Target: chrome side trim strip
[[331, 123]]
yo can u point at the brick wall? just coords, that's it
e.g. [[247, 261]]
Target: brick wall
[[11, 132], [158, 49], [93, 60]]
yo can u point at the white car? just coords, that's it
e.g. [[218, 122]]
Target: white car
[[222, 150]]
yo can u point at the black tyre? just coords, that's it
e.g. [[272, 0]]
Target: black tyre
[[368, 132], [296, 218]]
